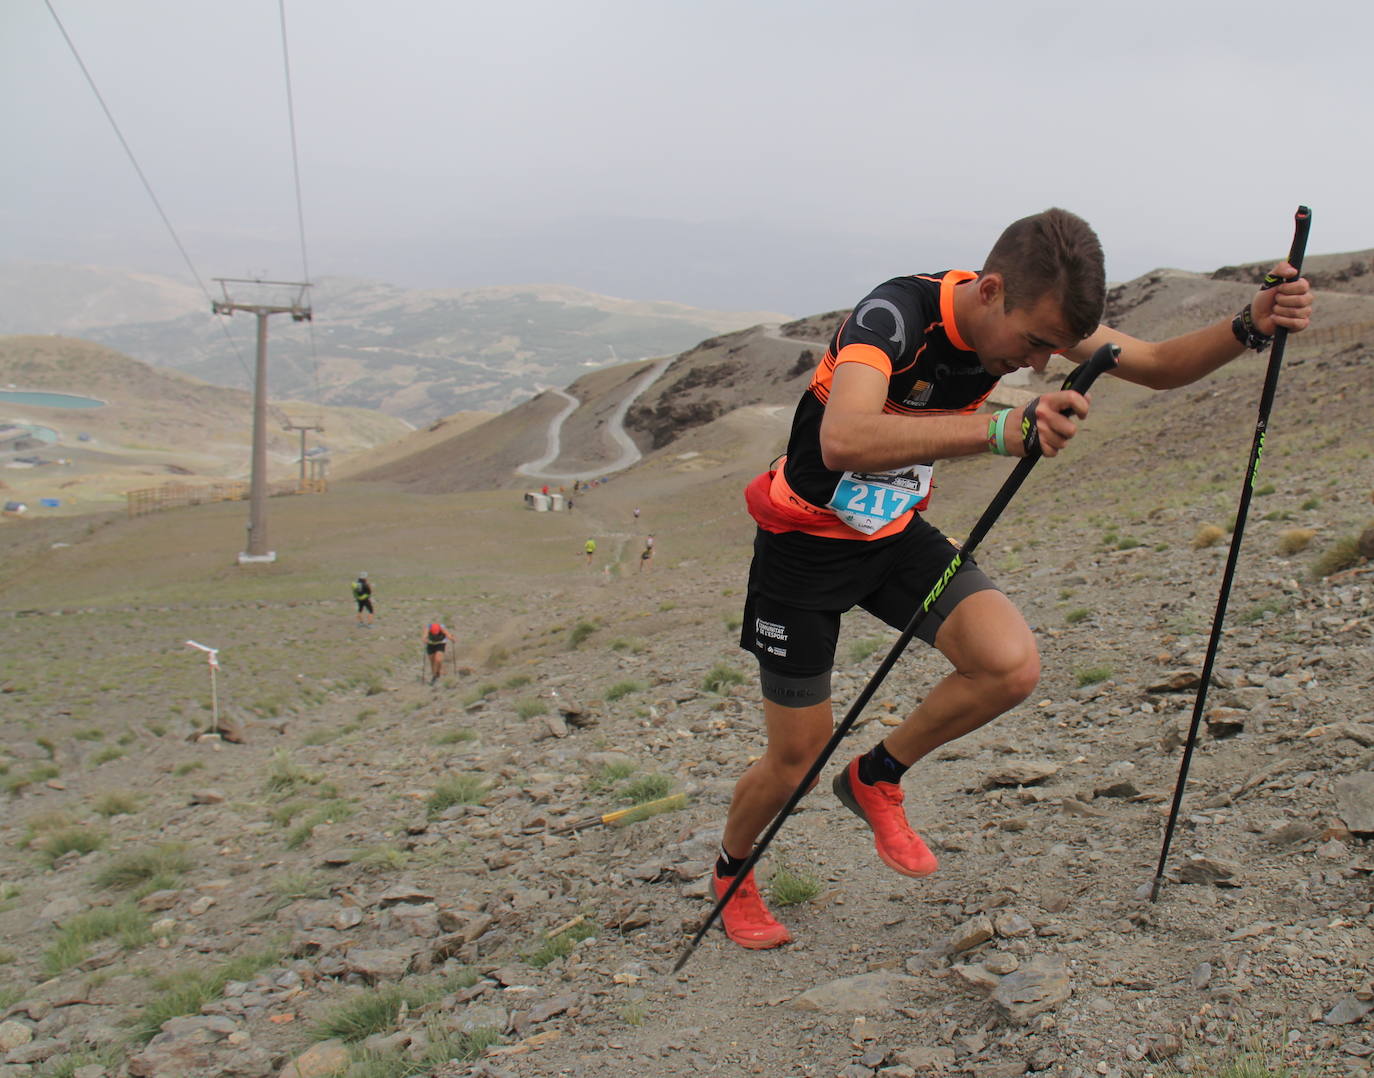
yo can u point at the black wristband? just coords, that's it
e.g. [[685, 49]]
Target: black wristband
[[1030, 430], [1243, 329]]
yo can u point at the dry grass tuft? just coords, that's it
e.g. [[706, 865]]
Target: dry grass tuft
[[1294, 540], [1208, 535]]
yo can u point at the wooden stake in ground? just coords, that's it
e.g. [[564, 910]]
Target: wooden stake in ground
[[626, 815], [212, 660]]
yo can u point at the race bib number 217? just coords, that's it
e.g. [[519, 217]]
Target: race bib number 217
[[869, 501]]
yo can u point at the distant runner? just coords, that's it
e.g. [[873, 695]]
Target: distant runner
[[647, 554], [590, 550], [362, 592], [840, 525], [437, 638]]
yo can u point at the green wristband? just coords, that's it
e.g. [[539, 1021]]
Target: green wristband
[[997, 433]]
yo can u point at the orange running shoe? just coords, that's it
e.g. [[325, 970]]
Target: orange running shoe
[[745, 918], [880, 806]]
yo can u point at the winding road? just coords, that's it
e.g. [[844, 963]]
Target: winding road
[[629, 452]]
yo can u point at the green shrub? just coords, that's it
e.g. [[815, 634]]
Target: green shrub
[[789, 887], [374, 1011], [117, 803], [1077, 614], [107, 754], [43, 822], [481, 693], [90, 734], [531, 706], [125, 923], [186, 992], [1259, 611], [1091, 675], [647, 788], [138, 866], [1343, 554], [453, 737], [580, 632], [624, 688], [284, 775], [54, 844], [862, 649], [457, 790], [720, 678], [331, 811], [608, 775], [560, 945]]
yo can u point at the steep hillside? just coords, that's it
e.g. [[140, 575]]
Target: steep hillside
[[426, 863]]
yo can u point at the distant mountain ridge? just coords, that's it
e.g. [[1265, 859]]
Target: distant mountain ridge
[[769, 366], [416, 354]]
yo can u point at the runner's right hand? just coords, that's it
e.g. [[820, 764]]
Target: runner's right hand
[[1052, 427]]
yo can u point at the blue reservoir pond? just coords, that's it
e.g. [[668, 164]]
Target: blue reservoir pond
[[48, 400]]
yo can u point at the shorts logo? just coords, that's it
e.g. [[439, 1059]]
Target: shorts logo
[[770, 629], [765, 631]]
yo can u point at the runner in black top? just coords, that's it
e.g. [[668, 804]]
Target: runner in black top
[[839, 524], [362, 592], [437, 637]]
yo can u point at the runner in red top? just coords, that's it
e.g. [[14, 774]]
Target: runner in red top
[[839, 521]]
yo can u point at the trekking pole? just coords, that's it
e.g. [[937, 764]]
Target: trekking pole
[[1302, 222], [1080, 379]]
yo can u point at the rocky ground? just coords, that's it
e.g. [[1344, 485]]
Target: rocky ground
[[379, 877]]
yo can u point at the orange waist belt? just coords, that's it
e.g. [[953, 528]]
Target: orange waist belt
[[776, 507]]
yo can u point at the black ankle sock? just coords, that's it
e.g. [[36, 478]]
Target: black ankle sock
[[879, 765], [727, 865]]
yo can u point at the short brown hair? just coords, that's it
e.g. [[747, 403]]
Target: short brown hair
[[1054, 252]]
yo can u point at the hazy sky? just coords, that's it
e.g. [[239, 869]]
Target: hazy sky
[[779, 154]]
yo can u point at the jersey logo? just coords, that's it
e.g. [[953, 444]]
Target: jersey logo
[[920, 394], [872, 306]]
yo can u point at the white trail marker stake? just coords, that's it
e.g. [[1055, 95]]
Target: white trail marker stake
[[212, 659]]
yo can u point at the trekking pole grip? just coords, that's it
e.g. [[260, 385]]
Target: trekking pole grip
[[1082, 377], [1302, 224]]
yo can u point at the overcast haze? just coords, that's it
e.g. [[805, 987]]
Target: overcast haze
[[779, 155]]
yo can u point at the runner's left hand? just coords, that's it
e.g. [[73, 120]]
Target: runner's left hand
[[1288, 304]]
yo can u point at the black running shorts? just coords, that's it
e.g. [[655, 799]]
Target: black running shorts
[[801, 584]]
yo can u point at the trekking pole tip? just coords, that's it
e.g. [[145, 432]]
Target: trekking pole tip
[[683, 957]]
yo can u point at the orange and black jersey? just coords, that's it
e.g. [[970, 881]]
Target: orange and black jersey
[[905, 329]]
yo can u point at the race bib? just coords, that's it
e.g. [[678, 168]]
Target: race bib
[[869, 501]]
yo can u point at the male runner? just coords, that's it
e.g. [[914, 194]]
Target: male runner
[[437, 637], [362, 592], [839, 523]]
